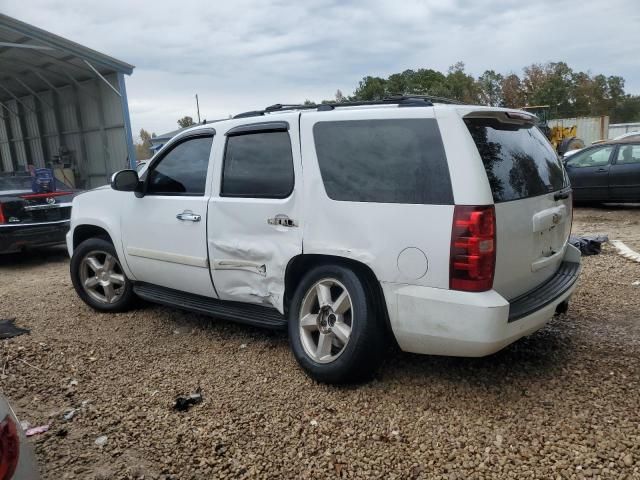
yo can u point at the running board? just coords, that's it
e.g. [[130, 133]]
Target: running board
[[249, 313]]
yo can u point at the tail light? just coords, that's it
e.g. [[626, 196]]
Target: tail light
[[473, 248], [9, 448], [33, 196], [3, 219]]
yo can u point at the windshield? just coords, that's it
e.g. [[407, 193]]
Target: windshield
[[519, 161]]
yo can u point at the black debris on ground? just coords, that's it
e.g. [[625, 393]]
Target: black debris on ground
[[184, 403], [589, 244], [9, 330]]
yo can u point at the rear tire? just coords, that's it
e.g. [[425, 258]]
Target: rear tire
[[98, 277], [336, 332]]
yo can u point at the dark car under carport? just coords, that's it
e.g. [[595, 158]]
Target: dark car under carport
[[32, 219], [607, 172]]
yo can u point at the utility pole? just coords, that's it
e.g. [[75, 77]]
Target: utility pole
[[198, 108]]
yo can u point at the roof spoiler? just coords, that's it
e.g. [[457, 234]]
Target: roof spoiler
[[516, 118]]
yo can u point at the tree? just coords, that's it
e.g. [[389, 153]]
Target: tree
[[558, 88], [427, 81], [627, 110], [400, 83], [512, 91], [143, 145], [567, 92], [371, 88], [532, 82], [583, 93], [490, 86], [185, 122], [340, 97], [461, 85]]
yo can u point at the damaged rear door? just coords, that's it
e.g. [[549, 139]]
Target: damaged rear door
[[254, 225]]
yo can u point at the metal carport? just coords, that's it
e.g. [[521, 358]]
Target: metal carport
[[62, 106]]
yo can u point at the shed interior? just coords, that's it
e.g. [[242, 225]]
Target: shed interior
[[62, 106]]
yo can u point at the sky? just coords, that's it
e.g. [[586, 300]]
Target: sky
[[244, 55]]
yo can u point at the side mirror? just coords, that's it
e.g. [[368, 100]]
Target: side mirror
[[125, 181]]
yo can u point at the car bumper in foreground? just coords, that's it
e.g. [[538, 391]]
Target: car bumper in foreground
[[15, 237], [448, 322]]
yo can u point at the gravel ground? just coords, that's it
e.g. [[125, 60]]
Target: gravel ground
[[619, 221], [562, 403]]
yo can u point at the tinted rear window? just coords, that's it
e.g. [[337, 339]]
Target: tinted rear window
[[383, 161], [8, 184], [258, 165], [519, 163]]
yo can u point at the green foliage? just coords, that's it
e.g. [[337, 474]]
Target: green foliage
[[566, 92], [185, 122], [371, 88], [143, 145], [490, 88]]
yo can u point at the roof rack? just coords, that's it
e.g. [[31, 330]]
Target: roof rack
[[400, 100]]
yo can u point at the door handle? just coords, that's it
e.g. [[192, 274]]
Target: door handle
[[188, 215], [282, 221], [601, 170]]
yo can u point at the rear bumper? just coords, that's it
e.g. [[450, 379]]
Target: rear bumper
[[447, 322], [14, 238]]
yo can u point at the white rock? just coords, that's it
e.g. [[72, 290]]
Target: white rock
[[101, 440]]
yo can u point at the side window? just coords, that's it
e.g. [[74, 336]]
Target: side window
[[258, 165], [598, 157], [183, 170], [383, 161], [628, 154]]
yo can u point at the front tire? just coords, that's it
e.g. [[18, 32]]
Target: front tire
[[335, 330], [98, 277]]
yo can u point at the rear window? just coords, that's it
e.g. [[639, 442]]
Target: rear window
[[520, 162], [383, 161], [24, 183]]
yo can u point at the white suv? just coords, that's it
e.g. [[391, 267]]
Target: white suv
[[441, 226]]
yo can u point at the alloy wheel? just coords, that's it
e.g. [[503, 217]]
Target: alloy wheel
[[326, 320], [102, 277]]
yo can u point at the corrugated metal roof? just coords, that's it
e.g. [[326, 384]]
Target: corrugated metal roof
[[34, 60]]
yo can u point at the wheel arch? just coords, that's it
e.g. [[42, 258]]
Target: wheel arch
[[299, 265], [86, 231], [94, 229]]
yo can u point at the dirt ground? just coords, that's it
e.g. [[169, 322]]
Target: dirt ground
[[618, 221], [562, 403]]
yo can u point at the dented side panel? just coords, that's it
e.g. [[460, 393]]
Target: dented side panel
[[249, 241]]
